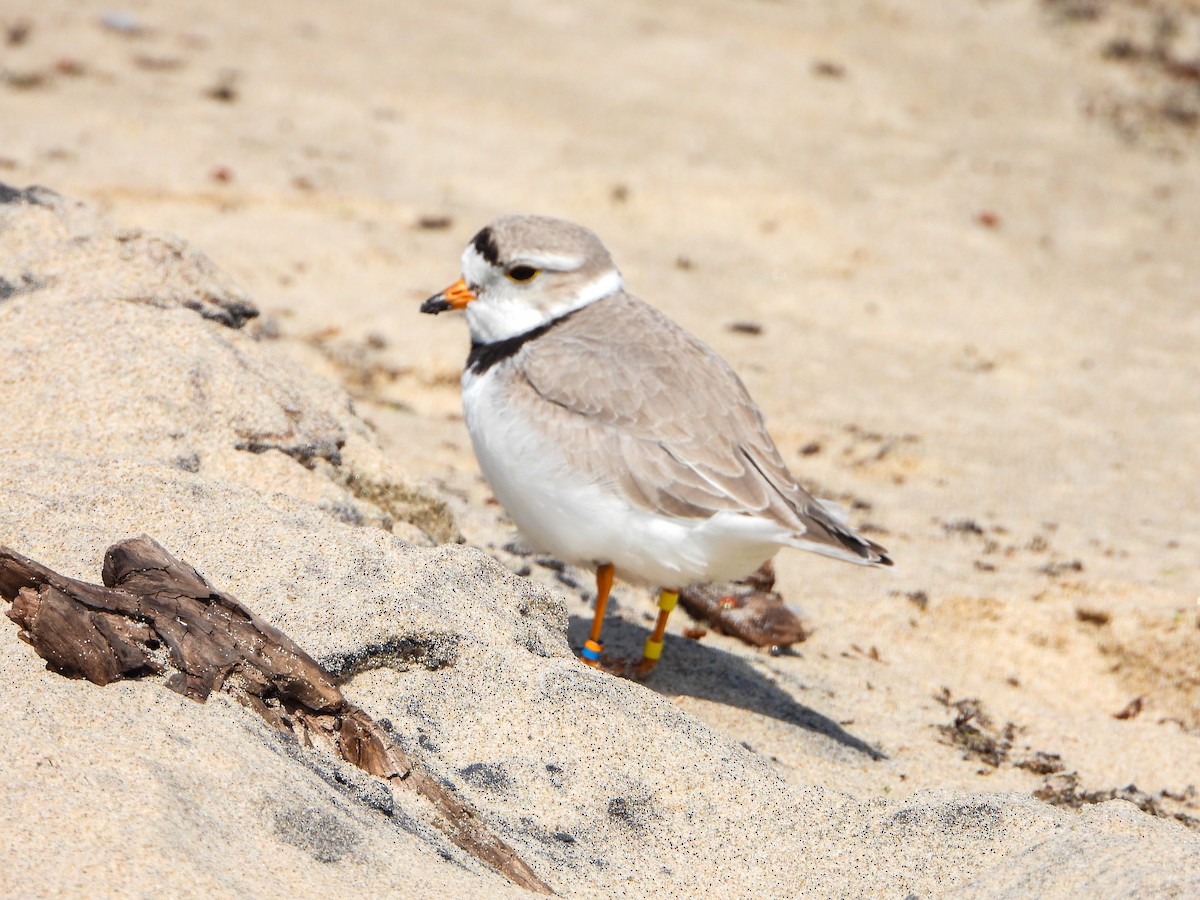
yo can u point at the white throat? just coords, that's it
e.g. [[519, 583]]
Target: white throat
[[500, 318]]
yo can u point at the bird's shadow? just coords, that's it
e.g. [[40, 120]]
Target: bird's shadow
[[710, 673]]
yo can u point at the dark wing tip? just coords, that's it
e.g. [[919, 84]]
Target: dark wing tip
[[833, 530], [875, 553], [872, 553]]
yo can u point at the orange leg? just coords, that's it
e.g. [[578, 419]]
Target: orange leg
[[654, 644], [592, 648]]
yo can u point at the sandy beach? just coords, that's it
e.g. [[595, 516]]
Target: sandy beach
[[951, 250]]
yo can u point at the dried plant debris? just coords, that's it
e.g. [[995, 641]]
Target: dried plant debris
[[1063, 567], [1132, 709], [998, 542], [400, 502], [1154, 97], [1064, 789], [25, 80], [974, 731], [1089, 616], [865, 448], [962, 526], [749, 610], [363, 365], [1158, 660], [1041, 763], [978, 736], [156, 616]]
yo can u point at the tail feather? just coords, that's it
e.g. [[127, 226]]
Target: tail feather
[[824, 533], [825, 529]]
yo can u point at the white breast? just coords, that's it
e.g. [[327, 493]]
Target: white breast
[[564, 513]]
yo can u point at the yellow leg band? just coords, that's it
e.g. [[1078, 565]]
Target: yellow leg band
[[653, 649], [667, 600]]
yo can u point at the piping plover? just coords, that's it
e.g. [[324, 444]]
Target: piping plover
[[615, 439]]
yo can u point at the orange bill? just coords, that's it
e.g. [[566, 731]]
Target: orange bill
[[456, 296]]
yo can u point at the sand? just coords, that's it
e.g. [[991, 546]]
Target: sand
[[967, 234]]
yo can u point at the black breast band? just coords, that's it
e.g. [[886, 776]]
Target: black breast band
[[483, 356]]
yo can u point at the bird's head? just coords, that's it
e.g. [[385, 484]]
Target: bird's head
[[521, 272]]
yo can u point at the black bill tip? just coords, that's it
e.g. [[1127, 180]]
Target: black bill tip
[[436, 304]]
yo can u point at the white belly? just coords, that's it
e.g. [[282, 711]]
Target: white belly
[[564, 513]]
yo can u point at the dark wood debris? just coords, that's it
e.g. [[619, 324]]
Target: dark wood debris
[[749, 610], [155, 615]]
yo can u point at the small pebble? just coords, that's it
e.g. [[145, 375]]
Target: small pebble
[[823, 68], [744, 328], [18, 32], [434, 223], [122, 22]]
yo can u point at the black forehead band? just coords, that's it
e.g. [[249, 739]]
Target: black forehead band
[[485, 246]]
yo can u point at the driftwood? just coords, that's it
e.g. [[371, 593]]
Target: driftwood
[[157, 615], [749, 610]]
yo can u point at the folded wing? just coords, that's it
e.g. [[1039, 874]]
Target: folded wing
[[641, 405]]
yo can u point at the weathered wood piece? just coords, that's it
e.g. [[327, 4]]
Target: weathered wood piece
[[157, 615], [750, 610]]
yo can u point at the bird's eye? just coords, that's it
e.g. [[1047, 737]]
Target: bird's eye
[[522, 273]]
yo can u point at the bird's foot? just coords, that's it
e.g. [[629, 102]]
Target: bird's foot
[[643, 668], [591, 653], [621, 666]]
